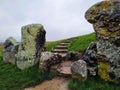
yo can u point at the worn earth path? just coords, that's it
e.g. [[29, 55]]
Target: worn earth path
[[58, 83]]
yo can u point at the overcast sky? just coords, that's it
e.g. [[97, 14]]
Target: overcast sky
[[61, 18]]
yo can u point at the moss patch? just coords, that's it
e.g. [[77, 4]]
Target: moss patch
[[103, 71]]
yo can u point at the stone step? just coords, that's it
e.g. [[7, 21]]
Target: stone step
[[63, 54], [60, 50], [64, 44], [68, 41], [63, 69], [61, 47]]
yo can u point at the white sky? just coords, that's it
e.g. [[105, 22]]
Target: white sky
[[60, 18]]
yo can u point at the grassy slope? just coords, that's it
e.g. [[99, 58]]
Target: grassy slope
[[51, 45], [11, 78], [82, 42]]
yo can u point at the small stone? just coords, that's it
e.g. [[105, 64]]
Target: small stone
[[79, 70], [10, 49]]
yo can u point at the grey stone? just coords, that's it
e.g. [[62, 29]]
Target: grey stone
[[73, 56], [48, 59], [10, 49], [79, 70], [90, 57], [105, 17], [32, 44]]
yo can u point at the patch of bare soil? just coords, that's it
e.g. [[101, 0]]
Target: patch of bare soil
[[1, 46], [57, 83]]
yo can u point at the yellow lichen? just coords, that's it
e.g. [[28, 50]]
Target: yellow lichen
[[103, 71], [115, 34], [104, 32]]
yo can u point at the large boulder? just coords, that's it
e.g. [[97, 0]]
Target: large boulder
[[33, 40], [79, 70], [105, 18], [10, 49]]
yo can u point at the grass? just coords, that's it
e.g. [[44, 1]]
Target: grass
[[12, 78], [50, 45], [93, 83], [82, 42]]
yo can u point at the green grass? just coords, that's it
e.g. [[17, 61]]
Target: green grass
[[93, 83], [82, 42], [11, 78], [50, 45]]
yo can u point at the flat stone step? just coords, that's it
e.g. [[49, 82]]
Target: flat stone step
[[64, 44], [61, 47], [63, 54], [69, 41], [63, 69], [60, 50]]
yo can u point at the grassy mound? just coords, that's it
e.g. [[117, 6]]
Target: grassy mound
[[50, 45], [82, 42], [11, 78]]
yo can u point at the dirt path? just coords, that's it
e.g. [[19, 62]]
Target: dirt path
[[57, 83]]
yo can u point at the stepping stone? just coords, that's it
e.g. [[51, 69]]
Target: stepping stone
[[60, 50], [64, 44], [60, 47], [65, 68]]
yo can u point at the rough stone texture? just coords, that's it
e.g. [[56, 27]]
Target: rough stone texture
[[105, 17], [48, 59], [10, 49], [33, 40], [90, 58], [73, 56], [79, 70]]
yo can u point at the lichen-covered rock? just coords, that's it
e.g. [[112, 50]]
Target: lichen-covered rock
[[48, 59], [79, 70], [73, 56], [90, 57], [33, 40], [10, 49], [105, 17]]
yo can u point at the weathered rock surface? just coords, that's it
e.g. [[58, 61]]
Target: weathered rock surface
[[79, 70], [33, 40], [10, 49], [48, 59], [105, 18], [73, 56], [90, 57]]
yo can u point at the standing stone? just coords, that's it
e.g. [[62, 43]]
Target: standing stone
[[10, 49], [32, 44], [79, 70], [105, 17]]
